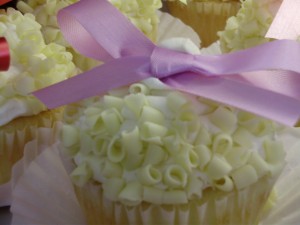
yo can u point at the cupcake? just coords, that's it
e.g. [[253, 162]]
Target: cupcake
[[34, 65], [141, 13], [148, 154], [249, 27], [206, 17]]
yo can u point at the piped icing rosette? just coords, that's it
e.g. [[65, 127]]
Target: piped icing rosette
[[140, 12], [249, 27], [150, 143], [34, 65]]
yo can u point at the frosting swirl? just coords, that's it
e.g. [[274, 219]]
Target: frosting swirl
[[34, 65]]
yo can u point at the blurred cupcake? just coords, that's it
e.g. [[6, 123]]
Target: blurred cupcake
[[34, 65], [206, 17], [148, 154], [141, 13], [249, 27]]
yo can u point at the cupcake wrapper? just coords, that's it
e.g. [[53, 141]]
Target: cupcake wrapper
[[206, 18], [16, 134], [171, 27], [43, 194], [221, 210], [287, 187]]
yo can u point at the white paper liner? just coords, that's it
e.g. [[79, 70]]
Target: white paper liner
[[13, 140], [288, 185], [44, 194], [233, 208], [170, 26]]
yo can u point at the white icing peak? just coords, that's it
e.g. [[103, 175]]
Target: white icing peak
[[149, 143], [34, 65]]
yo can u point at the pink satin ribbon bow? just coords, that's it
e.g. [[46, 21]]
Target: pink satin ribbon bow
[[98, 30]]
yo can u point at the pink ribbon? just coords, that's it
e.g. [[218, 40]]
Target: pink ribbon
[[286, 24], [98, 30]]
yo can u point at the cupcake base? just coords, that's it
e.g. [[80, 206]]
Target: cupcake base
[[14, 136], [216, 207]]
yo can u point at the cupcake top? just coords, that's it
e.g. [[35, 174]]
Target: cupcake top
[[34, 65], [150, 143], [249, 27], [140, 12]]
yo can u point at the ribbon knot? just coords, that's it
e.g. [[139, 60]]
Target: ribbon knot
[[166, 62], [97, 29]]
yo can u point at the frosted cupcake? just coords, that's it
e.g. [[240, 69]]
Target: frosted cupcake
[[141, 13], [33, 65], [249, 27], [147, 154], [206, 17]]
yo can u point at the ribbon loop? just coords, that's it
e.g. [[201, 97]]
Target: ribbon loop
[[166, 62], [80, 21]]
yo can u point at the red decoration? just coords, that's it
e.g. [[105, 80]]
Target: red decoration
[[2, 2], [4, 55]]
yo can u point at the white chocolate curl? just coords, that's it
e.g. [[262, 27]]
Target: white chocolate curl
[[244, 176]]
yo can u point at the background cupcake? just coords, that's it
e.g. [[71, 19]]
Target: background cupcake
[[249, 27], [34, 65], [141, 13], [206, 17]]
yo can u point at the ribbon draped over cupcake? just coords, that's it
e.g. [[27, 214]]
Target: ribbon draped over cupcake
[[264, 80]]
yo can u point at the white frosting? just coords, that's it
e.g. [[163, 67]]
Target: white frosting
[[34, 65]]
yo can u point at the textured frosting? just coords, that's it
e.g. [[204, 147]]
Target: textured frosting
[[34, 65], [249, 27], [147, 142], [140, 12]]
